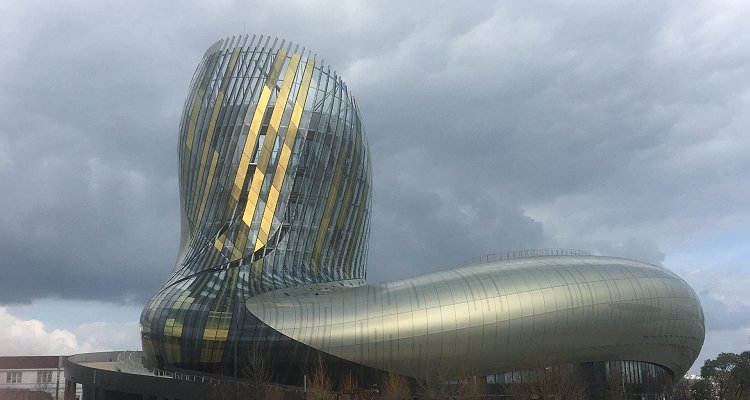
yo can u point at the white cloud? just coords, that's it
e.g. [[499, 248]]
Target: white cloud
[[105, 336], [32, 337]]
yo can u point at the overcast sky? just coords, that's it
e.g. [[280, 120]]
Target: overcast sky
[[618, 128]]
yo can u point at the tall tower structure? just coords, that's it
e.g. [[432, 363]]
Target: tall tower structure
[[275, 191]]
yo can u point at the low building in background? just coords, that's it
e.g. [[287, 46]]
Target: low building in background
[[33, 373]]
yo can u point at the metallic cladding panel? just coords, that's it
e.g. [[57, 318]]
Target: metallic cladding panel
[[499, 316]]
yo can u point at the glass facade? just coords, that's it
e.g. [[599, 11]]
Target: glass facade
[[621, 379], [275, 192], [275, 195]]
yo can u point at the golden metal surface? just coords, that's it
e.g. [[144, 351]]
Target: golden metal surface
[[269, 142], [249, 146], [284, 156]]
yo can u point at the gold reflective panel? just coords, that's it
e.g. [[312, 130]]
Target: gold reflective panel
[[270, 140], [285, 155], [219, 242], [257, 178], [252, 138]]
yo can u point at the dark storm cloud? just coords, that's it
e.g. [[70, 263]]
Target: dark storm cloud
[[598, 124], [616, 128], [89, 108]]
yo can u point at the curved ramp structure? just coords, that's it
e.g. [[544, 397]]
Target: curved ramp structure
[[275, 195]]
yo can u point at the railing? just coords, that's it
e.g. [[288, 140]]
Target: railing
[[130, 362], [510, 255]]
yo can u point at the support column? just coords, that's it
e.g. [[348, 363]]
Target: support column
[[70, 390]]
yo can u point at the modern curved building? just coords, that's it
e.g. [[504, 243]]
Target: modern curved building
[[275, 191]]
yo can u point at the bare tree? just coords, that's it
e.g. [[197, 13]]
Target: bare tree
[[615, 388], [438, 384], [470, 387], [45, 382], [273, 392], [320, 383], [396, 387], [348, 387], [525, 385], [255, 367], [562, 382], [228, 390], [565, 382]]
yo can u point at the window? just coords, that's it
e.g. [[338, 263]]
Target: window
[[43, 376], [13, 377]]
